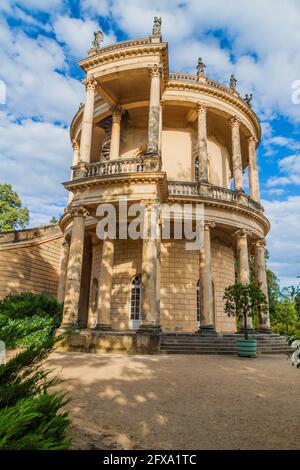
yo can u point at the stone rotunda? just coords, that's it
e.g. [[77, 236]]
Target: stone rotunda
[[156, 137]]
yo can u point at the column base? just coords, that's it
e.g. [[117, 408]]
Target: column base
[[241, 331], [264, 331], [103, 327], [148, 339], [207, 331], [67, 326]]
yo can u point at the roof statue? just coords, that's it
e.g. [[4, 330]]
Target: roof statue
[[248, 100], [233, 82], [200, 67], [156, 30], [98, 38]]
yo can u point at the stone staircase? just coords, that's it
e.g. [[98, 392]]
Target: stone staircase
[[179, 343]]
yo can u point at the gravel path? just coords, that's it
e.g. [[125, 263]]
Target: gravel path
[[181, 402]]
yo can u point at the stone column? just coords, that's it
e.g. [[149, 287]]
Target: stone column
[[237, 154], [154, 110], [106, 273], [160, 126], [243, 265], [202, 143], [115, 133], [87, 122], [73, 282], [207, 311], [75, 161], [253, 170], [151, 249], [65, 249], [261, 281]]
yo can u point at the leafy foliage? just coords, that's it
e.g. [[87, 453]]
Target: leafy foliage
[[29, 304], [243, 301], [28, 319], [12, 214], [35, 423], [30, 416]]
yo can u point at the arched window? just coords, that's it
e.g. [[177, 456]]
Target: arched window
[[135, 301], [196, 169], [198, 302]]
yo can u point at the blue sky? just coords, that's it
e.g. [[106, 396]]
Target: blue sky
[[41, 40]]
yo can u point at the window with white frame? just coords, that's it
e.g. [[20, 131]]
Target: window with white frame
[[136, 298]]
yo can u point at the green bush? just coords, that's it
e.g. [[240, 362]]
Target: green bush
[[28, 319], [31, 418], [28, 305], [35, 423]]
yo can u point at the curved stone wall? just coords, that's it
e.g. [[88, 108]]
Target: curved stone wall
[[30, 260]]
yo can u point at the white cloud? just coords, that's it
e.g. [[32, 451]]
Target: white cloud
[[77, 34], [35, 73], [35, 158], [283, 240]]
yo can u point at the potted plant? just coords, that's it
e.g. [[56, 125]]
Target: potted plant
[[245, 301]]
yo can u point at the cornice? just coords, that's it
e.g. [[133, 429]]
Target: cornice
[[223, 95]]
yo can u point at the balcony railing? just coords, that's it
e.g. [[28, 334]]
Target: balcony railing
[[130, 166], [176, 188], [122, 166]]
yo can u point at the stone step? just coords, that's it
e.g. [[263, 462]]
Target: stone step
[[196, 344]]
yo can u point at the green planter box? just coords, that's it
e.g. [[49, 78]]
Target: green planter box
[[247, 347]]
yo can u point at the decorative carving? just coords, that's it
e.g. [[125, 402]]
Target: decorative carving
[[208, 224], [252, 141], [98, 38], [233, 83], [156, 30], [75, 145], [248, 100], [117, 112], [201, 108], [242, 233], [90, 84], [79, 212], [155, 70], [235, 121], [261, 243], [201, 68]]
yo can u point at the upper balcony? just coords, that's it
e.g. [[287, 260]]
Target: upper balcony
[[140, 121]]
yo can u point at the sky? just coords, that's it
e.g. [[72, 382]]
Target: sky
[[258, 41]]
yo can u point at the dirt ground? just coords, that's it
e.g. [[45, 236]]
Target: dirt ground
[[181, 402]]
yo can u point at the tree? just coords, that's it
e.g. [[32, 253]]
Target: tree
[[285, 315], [243, 301], [53, 220], [12, 214]]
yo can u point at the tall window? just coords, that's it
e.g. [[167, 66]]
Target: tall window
[[136, 298], [196, 169], [198, 303]]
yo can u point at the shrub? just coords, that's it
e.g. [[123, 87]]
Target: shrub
[[28, 319], [28, 305], [35, 423], [31, 418]]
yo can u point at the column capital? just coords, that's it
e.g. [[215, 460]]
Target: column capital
[[252, 140], [209, 224], [117, 110], [90, 84], [261, 243], [75, 144], [242, 233], [235, 121], [155, 70], [202, 108], [79, 212], [162, 104]]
